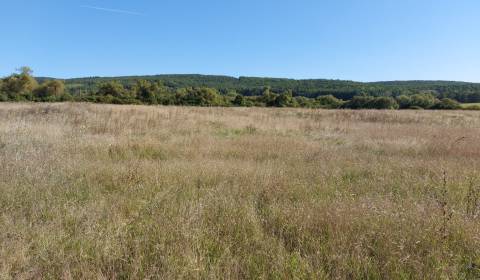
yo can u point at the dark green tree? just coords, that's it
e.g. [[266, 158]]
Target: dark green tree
[[284, 100], [146, 92]]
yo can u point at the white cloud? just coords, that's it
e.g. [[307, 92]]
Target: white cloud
[[112, 10]]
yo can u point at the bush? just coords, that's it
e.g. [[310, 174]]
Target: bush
[[425, 101], [384, 103], [370, 102], [199, 97], [113, 89], [285, 100], [146, 92], [359, 102], [404, 101], [328, 102], [239, 100], [50, 91], [304, 102], [447, 104]]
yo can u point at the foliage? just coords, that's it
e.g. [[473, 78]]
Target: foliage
[[328, 102], [447, 104], [50, 90], [201, 90], [251, 86], [199, 97], [370, 102]]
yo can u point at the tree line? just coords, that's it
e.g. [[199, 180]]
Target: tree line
[[22, 86]]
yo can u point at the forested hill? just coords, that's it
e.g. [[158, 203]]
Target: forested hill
[[250, 86]]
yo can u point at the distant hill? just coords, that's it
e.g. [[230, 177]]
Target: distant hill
[[461, 91]]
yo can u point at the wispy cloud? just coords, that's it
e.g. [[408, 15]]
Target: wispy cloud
[[112, 10]]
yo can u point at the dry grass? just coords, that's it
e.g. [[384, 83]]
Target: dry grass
[[103, 191]]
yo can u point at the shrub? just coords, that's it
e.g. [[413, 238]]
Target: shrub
[[328, 102], [384, 103], [404, 101], [369, 102], [50, 90], [285, 100], [239, 100], [113, 89], [359, 102], [447, 104], [199, 97], [423, 100], [145, 92]]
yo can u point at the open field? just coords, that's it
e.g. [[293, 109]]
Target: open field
[[103, 191]]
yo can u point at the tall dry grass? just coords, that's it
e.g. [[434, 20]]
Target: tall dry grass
[[130, 192]]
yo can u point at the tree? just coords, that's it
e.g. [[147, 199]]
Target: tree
[[239, 100], [284, 100], [19, 85], [447, 104], [268, 97], [50, 90], [384, 102], [199, 97], [370, 102], [359, 102], [404, 101], [304, 102], [145, 92], [114, 89], [423, 100], [328, 102], [25, 70]]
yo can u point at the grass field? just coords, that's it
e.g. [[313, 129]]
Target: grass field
[[470, 105], [131, 192]]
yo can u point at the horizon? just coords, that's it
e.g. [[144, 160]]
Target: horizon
[[241, 76], [374, 41]]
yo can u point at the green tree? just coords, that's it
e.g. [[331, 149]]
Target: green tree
[[404, 101], [304, 102], [199, 97], [19, 86], [50, 90], [328, 102], [114, 89], [384, 102], [423, 100], [360, 102], [284, 100], [447, 104], [239, 100], [146, 92], [268, 97]]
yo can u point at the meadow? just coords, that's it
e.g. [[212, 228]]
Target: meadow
[[471, 106], [91, 191]]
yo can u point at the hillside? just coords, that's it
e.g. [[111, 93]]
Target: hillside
[[461, 91]]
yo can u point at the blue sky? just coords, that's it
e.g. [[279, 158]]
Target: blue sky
[[363, 40]]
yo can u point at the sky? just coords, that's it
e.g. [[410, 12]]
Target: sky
[[361, 40]]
